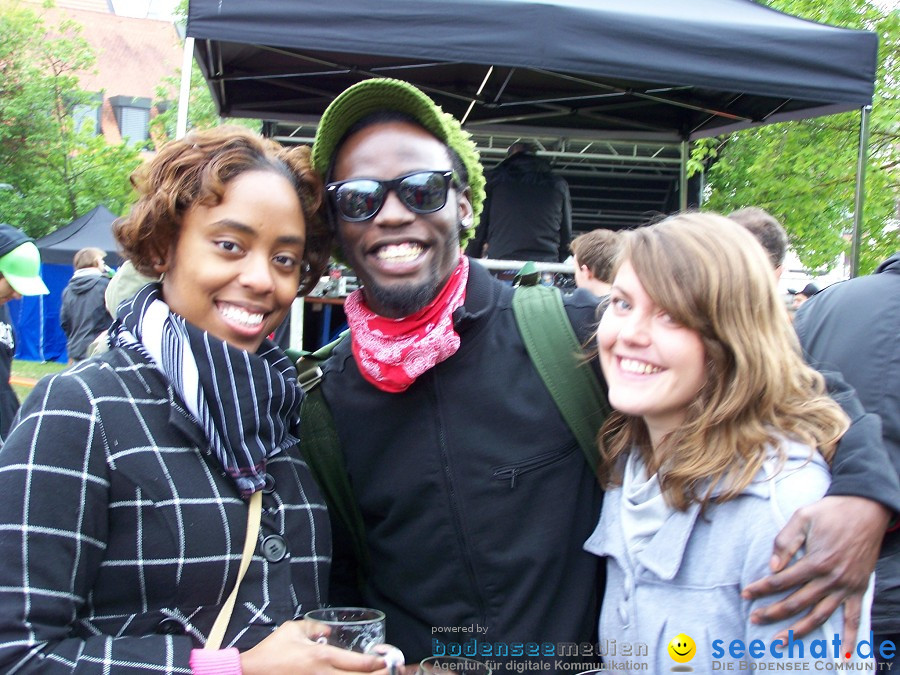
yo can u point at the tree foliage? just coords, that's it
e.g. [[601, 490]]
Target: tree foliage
[[804, 172], [51, 172], [202, 113]]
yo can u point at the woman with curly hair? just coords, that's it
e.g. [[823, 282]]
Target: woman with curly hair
[[721, 432], [125, 483]]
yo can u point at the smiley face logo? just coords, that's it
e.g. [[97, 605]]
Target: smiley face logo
[[682, 648]]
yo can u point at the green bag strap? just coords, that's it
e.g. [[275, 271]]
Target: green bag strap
[[321, 449], [559, 359], [309, 372]]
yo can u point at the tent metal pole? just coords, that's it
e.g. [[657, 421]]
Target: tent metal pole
[[184, 95], [682, 177], [860, 196], [295, 330]]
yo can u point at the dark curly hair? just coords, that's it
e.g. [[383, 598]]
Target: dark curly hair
[[195, 170]]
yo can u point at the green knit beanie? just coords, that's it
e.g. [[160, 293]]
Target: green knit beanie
[[385, 94]]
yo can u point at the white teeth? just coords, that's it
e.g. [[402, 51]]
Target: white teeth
[[242, 316], [404, 252], [639, 367]]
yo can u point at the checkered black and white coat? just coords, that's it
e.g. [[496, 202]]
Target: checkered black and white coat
[[120, 536]]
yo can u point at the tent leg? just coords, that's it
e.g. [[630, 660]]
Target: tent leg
[[682, 177], [295, 340], [184, 95], [859, 197]]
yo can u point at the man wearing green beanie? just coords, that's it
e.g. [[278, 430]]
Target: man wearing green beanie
[[473, 494], [20, 266], [459, 445]]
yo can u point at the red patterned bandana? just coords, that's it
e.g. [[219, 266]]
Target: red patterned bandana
[[392, 353]]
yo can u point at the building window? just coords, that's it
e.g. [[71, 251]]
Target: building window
[[86, 116], [133, 117]]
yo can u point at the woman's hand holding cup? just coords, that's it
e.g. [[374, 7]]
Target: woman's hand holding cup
[[294, 648]]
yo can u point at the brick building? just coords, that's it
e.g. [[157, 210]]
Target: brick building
[[133, 57]]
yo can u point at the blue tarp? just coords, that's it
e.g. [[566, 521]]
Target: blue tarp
[[39, 337]]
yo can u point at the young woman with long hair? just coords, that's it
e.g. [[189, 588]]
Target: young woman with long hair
[[720, 432]]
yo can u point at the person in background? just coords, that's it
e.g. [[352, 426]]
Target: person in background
[[768, 232], [854, 327], [124, 485], [20, 267], [593, 256], [20, 274], [801, 296], [475, 499], [125, 283], [83, 314], [720, 432], [527, 213]]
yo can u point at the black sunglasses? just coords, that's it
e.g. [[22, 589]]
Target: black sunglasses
[[360, 199]]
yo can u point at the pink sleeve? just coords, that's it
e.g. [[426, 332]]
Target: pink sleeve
[[215, 662]]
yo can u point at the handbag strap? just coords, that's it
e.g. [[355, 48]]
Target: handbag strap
[[254, 514]]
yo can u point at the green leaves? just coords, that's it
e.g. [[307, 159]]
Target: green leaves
[[202, 113], [804, 173], [55, 171]]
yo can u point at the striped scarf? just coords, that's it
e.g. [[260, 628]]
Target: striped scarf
[[247, 404]]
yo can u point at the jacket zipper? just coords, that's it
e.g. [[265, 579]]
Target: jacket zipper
[[457, 519], [511, 472]]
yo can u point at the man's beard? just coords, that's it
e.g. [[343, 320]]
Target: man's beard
[[406, 299], [402, 300]]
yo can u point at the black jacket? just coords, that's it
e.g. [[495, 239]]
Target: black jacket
[[83, 314], [9, 402], [476, 497], [527, 213], [854, 327]]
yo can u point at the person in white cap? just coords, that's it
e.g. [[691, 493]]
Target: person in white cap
[[20, 267]]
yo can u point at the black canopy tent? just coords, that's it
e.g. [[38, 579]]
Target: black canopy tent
[[581, 71], [94, 229]]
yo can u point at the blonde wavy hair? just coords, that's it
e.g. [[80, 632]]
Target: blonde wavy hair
[[711, 276], [196, 170]]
